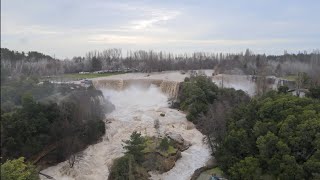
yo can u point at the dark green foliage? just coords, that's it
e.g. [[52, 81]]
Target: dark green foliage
[[283, 89], [125, 168], [197, 92], [17, 169], [35, 122], [208, 106], [135, 146], [17, 56], [276, 136], [164, 144], [314, 92], [122, 168]]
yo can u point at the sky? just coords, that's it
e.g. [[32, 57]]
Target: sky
[[67, 28]]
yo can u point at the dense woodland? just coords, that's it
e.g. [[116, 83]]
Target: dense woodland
[[273, 136], [55, 120]]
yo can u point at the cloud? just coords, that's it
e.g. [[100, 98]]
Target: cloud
[[156, 18], [171, 25]]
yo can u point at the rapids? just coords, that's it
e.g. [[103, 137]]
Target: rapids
[[136, 110]]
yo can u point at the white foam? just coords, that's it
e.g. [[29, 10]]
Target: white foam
[[136, 110]]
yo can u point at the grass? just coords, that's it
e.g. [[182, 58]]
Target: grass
[[169, 151], [77, 76], [90, 75], [290, 77], [152, 146], [215, 170]]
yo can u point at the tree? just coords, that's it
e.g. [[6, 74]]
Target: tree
[[135, 145], [281, 131], [247, 168], [301, 81], [164, 144], [96, 64], [283, 89], [17, 169], [314, 92]]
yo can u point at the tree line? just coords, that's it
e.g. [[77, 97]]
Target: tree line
[[14, 63]]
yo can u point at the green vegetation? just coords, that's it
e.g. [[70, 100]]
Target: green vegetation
[[135, 146], [275, 136], [32, 121], [142, 155], [290, 77], [125, 168], [164, 144], [314, 92], [17, 169], [283, 89], [165, 148], [197, 92], [208, 106], [88, 76]]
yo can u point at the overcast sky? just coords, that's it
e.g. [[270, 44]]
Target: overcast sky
[[67, 28]]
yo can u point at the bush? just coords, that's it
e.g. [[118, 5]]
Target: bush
[[283, 89], [17, 169], [122, 168], [164, 144]]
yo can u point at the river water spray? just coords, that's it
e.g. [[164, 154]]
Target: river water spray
[[136, 110]]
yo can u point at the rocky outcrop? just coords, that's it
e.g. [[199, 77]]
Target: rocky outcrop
[[155, 161], [178, 141]]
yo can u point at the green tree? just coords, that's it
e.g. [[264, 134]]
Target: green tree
[[283, 89], [17, 169], [314, 92], [135, 145], [281, 131], [164, 144], [247, 168], [123, 168]]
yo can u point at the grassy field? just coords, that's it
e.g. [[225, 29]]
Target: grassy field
[[90, 75], [77, 76], [290, 77]]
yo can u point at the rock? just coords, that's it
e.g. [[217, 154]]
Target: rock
[[190, 126], [156, 162], [211, 162], [175, 137], [180, 143], [185, 146]]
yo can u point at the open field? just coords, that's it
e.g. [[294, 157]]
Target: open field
[[77, 76]]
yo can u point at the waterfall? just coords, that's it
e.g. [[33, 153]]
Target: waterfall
[[170, 88]]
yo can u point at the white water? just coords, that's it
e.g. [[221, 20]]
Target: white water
[[136, 110]]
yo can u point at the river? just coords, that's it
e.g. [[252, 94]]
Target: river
[[136, 110]]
